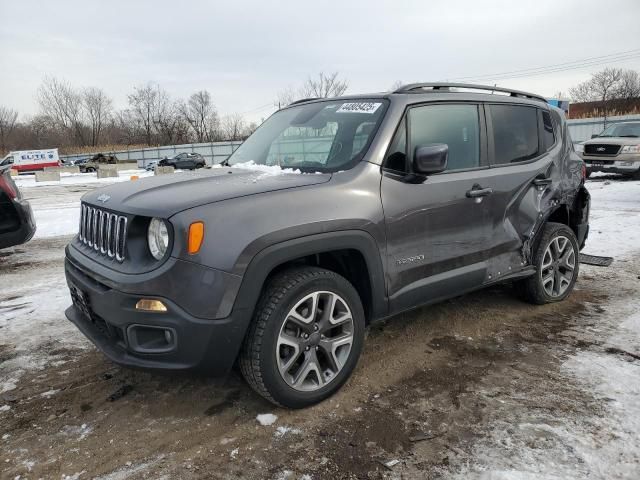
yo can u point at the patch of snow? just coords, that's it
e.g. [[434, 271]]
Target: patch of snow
[[282, 430], [7, 384], [29, 181], [234, 453], [49, 393], [268, 170], [82, 431], [5, 408], [266, 419], [614, 218]]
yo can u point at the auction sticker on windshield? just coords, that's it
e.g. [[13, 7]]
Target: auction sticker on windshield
[[359, 107]]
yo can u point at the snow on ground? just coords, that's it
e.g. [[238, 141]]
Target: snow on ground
[[615, 217], [29, 181]]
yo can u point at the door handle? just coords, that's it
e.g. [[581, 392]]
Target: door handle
[[542, 182], [477, 191]]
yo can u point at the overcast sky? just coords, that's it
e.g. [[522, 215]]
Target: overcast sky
[[245, 52]]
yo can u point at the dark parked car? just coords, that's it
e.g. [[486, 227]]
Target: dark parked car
[[184, 161], [404, 199], [615, 150], [17, 225], [92, 164]]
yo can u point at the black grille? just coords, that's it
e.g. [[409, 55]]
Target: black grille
[[103, 231], [601, 149]]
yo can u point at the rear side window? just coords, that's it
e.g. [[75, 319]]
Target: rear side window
[[547, 131], [515, 133], [456, 125]]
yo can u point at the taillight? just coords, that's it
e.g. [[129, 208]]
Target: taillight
[[584, 171], [7, 186]]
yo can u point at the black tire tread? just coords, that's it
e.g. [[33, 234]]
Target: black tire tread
[[273, 294], [530, 288]]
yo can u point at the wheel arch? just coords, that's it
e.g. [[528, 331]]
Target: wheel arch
[[345, 252]]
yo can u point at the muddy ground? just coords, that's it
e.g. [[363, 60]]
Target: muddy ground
[[432, 387]]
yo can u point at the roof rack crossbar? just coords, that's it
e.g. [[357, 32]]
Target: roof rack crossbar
[[446, 87]]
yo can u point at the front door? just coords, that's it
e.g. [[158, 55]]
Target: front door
[[439, 228]]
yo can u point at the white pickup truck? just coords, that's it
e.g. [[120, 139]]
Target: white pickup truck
[[31, 160]]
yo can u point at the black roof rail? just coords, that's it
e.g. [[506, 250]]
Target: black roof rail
[[302, 100], [446, 87]]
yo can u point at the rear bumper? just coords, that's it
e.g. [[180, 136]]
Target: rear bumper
[[108, 317], [25, 231]]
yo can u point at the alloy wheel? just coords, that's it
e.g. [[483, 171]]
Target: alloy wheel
[[558, 266], [315, 341]]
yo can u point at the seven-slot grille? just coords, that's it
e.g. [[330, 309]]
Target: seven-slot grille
[[103, 231]]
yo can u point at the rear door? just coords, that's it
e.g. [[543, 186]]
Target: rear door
[[525, 177], [440, 228]]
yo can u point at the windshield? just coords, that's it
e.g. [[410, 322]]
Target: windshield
[[323, 136], [622, 130]]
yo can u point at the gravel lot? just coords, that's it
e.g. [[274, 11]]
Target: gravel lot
[[481, 386]]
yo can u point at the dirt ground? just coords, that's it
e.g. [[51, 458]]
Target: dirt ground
[[431, 386], [482, 386]]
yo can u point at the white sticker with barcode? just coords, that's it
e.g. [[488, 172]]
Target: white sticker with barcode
[[359, 107]]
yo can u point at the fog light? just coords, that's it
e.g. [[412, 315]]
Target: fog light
[[150, 305]]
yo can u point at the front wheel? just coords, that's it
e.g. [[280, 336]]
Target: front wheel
[[556, 258], [305, 339]]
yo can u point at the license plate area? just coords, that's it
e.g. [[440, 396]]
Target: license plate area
[[81, 301], [597, 164]]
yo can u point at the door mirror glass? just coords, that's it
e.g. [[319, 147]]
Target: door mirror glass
[[429, 159]]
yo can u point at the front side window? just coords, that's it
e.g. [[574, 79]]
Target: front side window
[[455, 125], [515, 133], [322, 136]]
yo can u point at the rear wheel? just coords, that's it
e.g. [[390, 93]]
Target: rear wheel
[[556, 259], [305, 338]]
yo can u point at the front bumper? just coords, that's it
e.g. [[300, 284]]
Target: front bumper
[[27, 227], [108, 317], [623, 163]]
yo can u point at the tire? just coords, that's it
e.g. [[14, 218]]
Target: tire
[[555, 277], [90, 170], [267, 349]]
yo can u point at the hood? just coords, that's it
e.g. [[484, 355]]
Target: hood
[[166, 195], [613, 141]]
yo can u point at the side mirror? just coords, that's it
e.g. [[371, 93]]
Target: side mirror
[[595, 135], [428, 159]]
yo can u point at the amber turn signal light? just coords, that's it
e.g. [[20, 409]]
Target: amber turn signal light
[[149, 305], [196, 236]]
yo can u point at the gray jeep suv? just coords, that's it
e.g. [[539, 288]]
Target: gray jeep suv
[[615, 150], [333, 214]]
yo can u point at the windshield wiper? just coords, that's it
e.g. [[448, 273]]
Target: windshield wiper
[[628, 136]]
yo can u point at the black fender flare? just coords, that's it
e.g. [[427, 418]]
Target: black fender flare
[[265, 261]]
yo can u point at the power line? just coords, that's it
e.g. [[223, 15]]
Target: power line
[[559, 67]]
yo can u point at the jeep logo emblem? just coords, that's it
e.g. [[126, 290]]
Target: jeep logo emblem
[[600, 149], [104, 198]]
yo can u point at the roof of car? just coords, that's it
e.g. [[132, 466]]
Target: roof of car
[[418, 92]]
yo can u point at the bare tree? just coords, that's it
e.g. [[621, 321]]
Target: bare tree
[[98, 108], [8, 118], [59, 100], [629, 85], [147, 104], [325, 86], [234, 127], [201, 115], [288, 96]]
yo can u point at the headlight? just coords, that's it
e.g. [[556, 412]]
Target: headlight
[[579, 148], [158, 238], [630, 149]]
